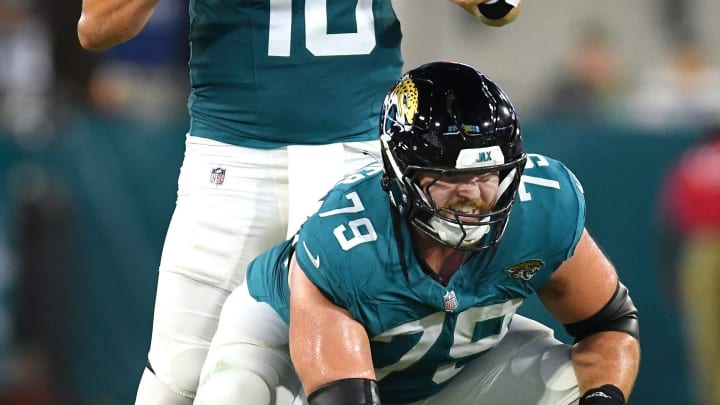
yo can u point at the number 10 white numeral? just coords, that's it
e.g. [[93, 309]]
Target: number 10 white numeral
[[317, 40]]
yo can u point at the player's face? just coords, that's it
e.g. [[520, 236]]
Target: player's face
[[474, 194]]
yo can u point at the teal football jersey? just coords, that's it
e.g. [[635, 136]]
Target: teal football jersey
[[422, 332], [268, 73]]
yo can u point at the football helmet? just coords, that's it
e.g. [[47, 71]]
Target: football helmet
[[448, 119]]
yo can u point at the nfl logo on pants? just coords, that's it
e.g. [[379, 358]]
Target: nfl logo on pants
[[217, 176]]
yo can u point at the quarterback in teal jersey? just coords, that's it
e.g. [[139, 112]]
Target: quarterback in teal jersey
[[284, 99], [402, 288]]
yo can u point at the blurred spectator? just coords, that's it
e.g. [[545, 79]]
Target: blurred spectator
[[28, 380], [72, 64], [588, 85], [37, 368], [146, 78], [26, 72], [691, 207], [6, 302], [676, 21], [685, 91]]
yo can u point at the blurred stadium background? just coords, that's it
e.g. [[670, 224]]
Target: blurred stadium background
[[90, 148]]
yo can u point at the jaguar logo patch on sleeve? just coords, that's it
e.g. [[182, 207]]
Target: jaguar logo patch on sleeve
[[526, 270]]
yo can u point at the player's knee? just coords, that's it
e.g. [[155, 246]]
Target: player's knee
[[153, 391], [228, 385], [556, 369], [180, 368], [186, 367], [245, 374]]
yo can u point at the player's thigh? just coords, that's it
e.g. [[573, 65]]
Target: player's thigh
[[359, 154], [529, 366], [185, 319], [314, 169], [231, 206], [248, 361]]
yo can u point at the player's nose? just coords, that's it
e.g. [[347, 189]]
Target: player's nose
[[469, 190]]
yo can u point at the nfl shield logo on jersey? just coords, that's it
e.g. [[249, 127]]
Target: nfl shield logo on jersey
[[450, 301], [217, 176]]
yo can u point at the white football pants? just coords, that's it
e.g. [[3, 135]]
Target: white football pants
[[233, 203], [249, 363]]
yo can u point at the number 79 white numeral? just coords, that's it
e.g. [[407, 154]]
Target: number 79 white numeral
[[361, 229]]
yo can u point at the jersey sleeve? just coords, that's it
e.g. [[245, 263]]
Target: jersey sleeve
[[323, 259], [553, 210], [575, 206], [342, 248]]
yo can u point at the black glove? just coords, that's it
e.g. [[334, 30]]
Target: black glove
[[608, 394], [495, 10]]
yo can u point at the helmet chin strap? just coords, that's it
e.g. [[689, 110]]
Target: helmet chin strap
[[452, 233]]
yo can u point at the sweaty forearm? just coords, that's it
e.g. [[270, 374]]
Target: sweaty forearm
[[606, 358], [106, 23]]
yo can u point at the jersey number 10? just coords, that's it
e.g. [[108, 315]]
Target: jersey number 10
[[317, 40]]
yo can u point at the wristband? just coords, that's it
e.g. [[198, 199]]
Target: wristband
[[348, 391], [608, 394]]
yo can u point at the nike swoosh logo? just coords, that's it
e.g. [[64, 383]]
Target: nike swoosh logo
[[315, 260]]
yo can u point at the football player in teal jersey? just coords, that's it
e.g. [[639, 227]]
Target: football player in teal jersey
[[403, 287], [284, 99]]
